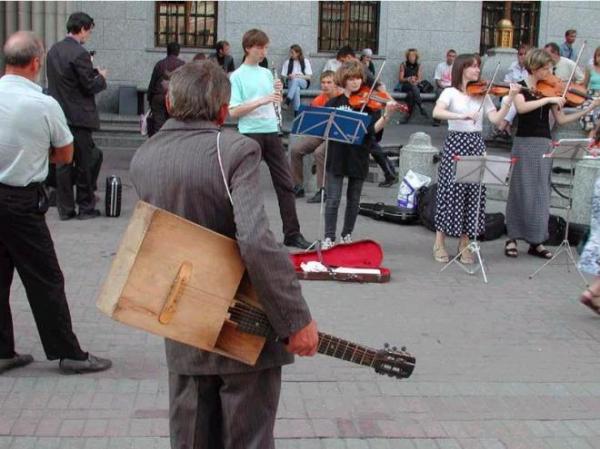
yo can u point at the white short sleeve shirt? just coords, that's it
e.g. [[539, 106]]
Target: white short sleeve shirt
[[460, 103], [30, 124]]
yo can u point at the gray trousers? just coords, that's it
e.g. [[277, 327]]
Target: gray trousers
[[229, 411], [302, 147]]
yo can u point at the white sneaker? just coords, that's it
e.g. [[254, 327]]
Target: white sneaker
[[327, 243], [346, 239]]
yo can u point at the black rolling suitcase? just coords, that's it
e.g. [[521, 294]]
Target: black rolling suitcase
[[113, 196]]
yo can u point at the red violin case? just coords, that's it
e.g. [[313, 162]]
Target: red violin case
[[353, 258]]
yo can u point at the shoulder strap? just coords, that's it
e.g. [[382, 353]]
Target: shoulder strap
[[221, 167]]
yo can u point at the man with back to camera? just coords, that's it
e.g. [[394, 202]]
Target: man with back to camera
[[223, 57], [33, 131], [73, 82]]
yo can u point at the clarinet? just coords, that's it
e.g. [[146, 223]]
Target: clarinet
[[277, 105]]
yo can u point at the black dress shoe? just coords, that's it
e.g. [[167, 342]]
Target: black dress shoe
[[299, 191], [15, 362], [389, 181], [297, 240], [67, 216], [90, 365], [88, 214], [316, 198]]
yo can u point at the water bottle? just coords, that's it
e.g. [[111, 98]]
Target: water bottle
[[113, 196]]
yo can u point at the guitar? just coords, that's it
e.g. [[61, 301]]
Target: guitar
[[387, 361], [176, 279]]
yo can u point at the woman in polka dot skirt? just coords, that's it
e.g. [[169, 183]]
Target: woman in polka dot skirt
[[457, 204]]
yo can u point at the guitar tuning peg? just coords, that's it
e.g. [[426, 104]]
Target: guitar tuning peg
[[386, 345], [394, 348], [403, 349]]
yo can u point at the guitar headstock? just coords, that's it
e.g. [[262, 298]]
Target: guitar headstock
[[394, 362]]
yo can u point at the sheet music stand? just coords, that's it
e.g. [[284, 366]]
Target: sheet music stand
[[329, 124], [488, 170], [571, 150]]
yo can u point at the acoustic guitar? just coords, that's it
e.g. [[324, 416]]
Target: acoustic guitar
[[176, 279]]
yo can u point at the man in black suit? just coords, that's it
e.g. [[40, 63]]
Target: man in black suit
[[73, 82]]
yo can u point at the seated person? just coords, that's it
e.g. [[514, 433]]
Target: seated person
[[296, 73], [308, 144], [344, 54], [366, 57], [409, 77], [223, 56], [442, 77]]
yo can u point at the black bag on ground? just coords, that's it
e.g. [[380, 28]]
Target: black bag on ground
[[426, 206], [394, 214], [556, 230], [494, 227]]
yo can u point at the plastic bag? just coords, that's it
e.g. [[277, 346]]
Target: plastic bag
[[407, 192]]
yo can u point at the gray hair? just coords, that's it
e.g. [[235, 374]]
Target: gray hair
[[198, 90], [21, 47]]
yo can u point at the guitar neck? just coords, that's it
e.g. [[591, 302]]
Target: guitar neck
[[345, 350]]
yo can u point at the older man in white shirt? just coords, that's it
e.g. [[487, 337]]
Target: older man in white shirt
[[33, 131]]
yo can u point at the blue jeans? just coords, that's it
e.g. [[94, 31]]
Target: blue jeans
[[293, 93], [333, 187]]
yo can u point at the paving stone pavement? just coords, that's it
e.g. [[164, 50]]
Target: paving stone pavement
[[508, 365]]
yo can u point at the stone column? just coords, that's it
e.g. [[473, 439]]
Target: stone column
[[49, 23], [24, 15], [61, 19], [10, 18], [586, 172], [37, 18]]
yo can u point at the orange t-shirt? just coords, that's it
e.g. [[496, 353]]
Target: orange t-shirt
[[320, 101]]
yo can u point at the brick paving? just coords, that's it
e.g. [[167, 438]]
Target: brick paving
[[508, 365]]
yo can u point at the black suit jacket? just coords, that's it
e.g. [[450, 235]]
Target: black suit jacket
[[73, 82]]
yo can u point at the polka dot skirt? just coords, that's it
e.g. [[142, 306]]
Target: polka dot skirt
[[456, 204]]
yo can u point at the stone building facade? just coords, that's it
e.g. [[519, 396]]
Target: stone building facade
[[124, 36]]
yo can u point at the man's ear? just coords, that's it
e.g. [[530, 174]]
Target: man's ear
[[222, 114], [168, 103]]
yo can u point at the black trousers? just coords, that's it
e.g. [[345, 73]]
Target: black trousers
[[279, 167], [389, 170], [82, 173], [26, 244], [228, 411]]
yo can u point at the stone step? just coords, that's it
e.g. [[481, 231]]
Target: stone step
[[118, 140]]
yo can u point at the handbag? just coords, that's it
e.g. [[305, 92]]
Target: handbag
[[425, 87]]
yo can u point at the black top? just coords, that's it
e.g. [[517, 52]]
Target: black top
[[535, 123], [410, 69], [160, 73], [350, 160], [73, 82]]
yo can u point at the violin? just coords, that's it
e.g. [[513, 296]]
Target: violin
[[553, 86], [477, 88], [376, 101]]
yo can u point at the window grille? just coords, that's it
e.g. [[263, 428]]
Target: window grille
[[191, 24], [351, 23], [525, 17]]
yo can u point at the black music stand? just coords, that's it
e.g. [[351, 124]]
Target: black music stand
[[488, 170], [571, 150], [329, 124]]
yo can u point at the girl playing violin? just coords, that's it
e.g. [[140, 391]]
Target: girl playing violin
[[457, 204], [347, 160], [528, 205]]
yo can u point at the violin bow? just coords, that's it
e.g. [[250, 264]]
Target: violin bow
[[487, 91], [373, 86], [568, 83]]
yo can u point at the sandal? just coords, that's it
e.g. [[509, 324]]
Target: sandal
[[587, 299], [510, 248], [440, 254], [534, 250]]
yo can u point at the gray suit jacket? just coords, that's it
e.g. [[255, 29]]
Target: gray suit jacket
[[178, 170]]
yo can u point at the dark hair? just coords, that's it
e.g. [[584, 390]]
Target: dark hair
[[460, 64], [298, 49], [346, 50], [78, 21], [254, 37], [173, 49], [554, 46], [571, 31], [451, 51], [409, 51], [199, 57], [219, 46]]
